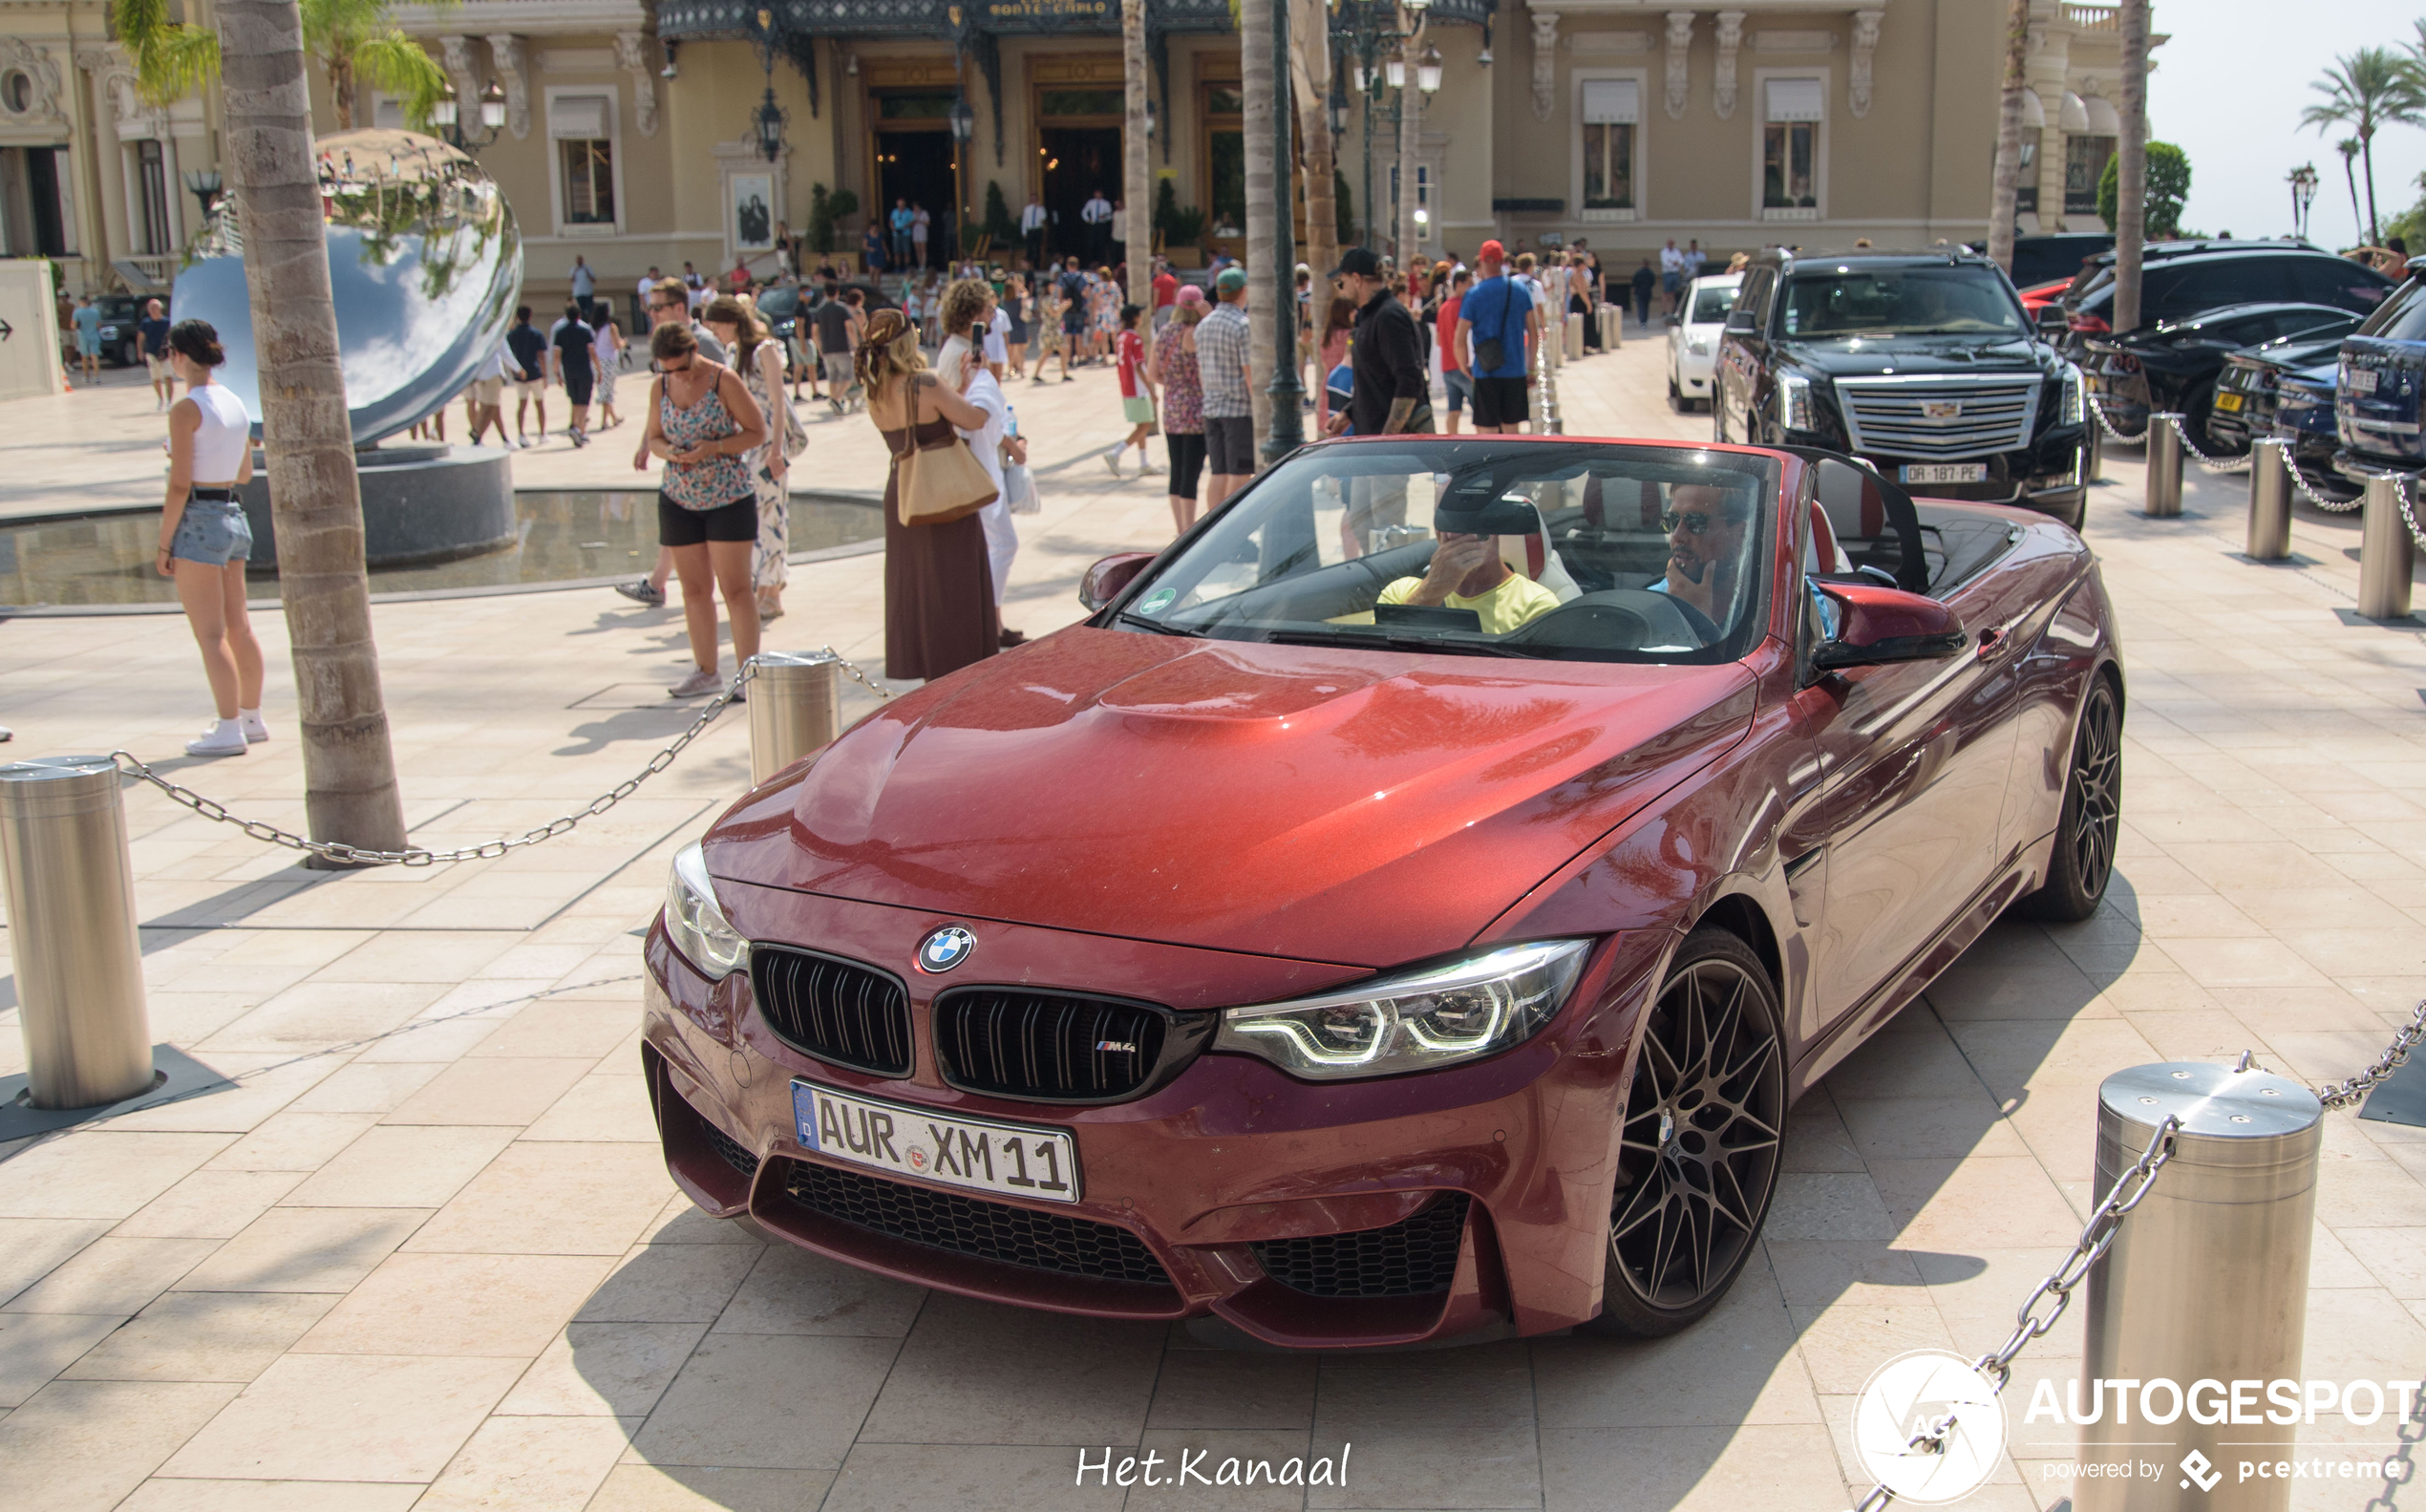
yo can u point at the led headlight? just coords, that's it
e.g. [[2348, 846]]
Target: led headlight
[[1437, 1016], [1793, 402], [1699, 347], [2075, 402], [694, 923]]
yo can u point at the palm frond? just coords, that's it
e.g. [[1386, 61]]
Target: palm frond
[[170, 59], [395, 62]]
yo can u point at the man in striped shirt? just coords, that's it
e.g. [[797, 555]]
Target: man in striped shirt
[[1230, 410]]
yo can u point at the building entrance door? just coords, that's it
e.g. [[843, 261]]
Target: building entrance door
[[1079, 160], [917, 166]]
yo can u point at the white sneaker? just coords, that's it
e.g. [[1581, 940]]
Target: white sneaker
[[226, 738], [255, 730]]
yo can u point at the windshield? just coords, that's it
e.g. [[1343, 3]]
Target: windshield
[[1962, 300], [1711, 307], [1577, 551], [2401, 317]]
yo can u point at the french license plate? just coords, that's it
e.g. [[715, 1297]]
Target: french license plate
[[975, 1153], [1945, 473], [2229, 403], [2359, 380]]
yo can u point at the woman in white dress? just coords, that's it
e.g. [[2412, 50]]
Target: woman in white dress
[[758, 359], [610, 355], [967, 310]]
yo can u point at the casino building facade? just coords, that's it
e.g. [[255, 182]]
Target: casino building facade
[[637, 132]]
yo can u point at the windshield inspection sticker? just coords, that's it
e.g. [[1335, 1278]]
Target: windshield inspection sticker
[[1952, 1411], [1155, 602]]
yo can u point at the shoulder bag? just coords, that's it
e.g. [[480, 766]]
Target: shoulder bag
[[938, 484], [1491, 352]]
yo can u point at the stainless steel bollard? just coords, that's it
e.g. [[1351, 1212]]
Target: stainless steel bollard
[[2093, 466], [2385, 552], [2164, 468], [71, 894], [2206, 1282], [795, 705], [1574, 337], [2270, 501]]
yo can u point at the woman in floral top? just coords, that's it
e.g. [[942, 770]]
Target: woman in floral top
[[1173, 365]]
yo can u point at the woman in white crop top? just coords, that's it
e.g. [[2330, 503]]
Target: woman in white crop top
[[205, 540]]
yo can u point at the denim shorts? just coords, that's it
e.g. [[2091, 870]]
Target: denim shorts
[[1461, 388], [212, 532]]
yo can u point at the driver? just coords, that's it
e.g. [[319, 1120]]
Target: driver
[[1466, 572], [1705, 527]]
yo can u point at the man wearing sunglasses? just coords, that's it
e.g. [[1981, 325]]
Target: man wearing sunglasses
[[669, 303], [1706, 527]]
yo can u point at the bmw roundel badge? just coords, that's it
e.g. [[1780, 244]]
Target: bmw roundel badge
[[945, 949]]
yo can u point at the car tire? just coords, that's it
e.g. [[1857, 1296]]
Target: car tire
[[2083, 862], [1702, 1144], [1717, 421], [1676, 400]]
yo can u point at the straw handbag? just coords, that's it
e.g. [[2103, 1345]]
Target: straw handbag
[[938, 484]]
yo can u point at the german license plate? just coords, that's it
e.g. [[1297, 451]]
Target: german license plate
[[1945, 473], [2229, 403], [975, 1153], [2359, 380]]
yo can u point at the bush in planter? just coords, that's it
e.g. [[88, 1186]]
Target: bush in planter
[[999, 223], [826, 210]]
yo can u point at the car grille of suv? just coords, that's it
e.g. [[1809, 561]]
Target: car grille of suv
[[1414, 1257], [969, 1225], [1935, 417], [838, 1010], [1052, 1047]]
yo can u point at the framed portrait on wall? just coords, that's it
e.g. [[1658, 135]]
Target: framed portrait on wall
[[753, 211]]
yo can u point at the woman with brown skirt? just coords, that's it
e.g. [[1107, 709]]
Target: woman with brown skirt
[[939, 588]]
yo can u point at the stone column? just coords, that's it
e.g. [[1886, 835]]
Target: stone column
[[109, 157]]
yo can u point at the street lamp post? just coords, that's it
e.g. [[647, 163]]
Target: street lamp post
[[2303, 181], [447, 116], [1367, 37], [964, 124]]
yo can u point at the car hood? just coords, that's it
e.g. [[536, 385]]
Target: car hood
[[2296, 356], [1866, 356], [1351, 806]]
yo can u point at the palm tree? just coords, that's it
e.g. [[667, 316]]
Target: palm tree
[[2367, 91], [1309, 52], [2131, 168], [350, 781], [1136, 186], [2348, 147], [2008, 139], [1268, 283], [354, 40]]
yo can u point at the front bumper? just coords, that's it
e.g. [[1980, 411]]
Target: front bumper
[[1511, 1159]]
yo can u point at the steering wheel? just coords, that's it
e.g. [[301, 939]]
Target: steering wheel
[[1622, 618], [1705, 629]]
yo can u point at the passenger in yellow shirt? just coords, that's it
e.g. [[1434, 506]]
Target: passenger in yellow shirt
[[1466, 573]]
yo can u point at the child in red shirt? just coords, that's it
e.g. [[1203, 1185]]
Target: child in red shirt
[[1137, 393]]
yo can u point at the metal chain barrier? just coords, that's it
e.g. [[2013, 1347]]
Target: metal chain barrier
[[563, 824], [2097, 1237], [2299, 480], [2134, 438], [2408, 510], [2351, 1090], [2237, 465]]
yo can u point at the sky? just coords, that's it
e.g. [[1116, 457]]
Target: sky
[[2228, 89]]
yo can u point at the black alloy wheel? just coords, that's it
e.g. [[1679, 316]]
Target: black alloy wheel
[[1700, 1151], [2083, 863]]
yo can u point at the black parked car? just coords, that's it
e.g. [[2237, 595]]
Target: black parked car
[[2175, 366], [2379, 405], [121, 333], [2183, 280], [1921, 363], [2058, 254], [2249, 388]]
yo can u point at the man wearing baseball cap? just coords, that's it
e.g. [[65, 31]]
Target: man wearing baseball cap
[[1498, 330], [1393, 392], [1230, 405]]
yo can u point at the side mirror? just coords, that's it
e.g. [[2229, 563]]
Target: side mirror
[[1675, 320], [1741, 319], [1107, 577], [1877, 625]]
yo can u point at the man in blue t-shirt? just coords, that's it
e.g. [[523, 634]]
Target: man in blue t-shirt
[[1497, 312], [155, 329]]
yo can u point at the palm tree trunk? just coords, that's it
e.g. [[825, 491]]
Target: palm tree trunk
[[341, 91], [1410, 131], [2008, 139], [1310, 46], [2131, 169], [2349, 151], [2366, 164], [349, 780], [1137, 183], [1268, 283]]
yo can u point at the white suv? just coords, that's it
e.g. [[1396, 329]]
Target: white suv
[[1693, 337]]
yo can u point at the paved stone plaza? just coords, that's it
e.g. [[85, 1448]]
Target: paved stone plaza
[[425, 1254]]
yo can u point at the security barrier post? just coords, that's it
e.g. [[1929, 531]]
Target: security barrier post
[[2270, 501], [2207, 1279], [795, 705], [70, 889], [2164, 468], [2385, 552]]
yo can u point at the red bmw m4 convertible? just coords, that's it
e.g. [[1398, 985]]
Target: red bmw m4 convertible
[[1407, 908]]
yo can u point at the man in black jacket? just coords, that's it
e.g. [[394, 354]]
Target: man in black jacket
[[1393, 392]]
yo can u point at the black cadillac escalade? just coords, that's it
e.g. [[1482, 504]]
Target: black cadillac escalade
[[1921, 363]]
